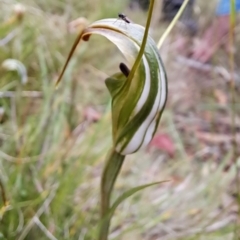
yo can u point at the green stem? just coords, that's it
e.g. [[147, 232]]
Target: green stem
[[144, 41], [172, 24], [109, 176]]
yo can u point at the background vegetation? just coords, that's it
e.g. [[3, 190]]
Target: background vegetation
[[54, 142]]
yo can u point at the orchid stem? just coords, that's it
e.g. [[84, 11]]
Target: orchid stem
[[109, 176]]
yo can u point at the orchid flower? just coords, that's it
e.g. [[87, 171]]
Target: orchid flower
[[137, 101], [138, 92]]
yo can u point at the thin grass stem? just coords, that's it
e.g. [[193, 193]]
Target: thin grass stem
[[172, 24]]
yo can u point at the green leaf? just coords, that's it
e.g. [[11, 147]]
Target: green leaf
[[129, 193], [123, 197]]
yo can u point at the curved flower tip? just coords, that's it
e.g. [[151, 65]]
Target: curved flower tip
[[138, 102], [77, 25]]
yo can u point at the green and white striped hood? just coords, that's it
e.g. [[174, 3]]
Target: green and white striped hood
[[137, 102]]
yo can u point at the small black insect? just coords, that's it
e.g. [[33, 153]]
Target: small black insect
[[124, 17]]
